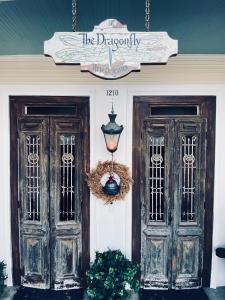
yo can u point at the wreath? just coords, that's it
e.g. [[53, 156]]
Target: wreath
[[119, 170]]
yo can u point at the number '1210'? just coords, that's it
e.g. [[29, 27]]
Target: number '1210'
[[112, 93]]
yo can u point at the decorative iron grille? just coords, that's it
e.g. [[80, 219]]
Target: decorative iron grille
[[188, 203], [67, 199], [33, 178], [156, 179]]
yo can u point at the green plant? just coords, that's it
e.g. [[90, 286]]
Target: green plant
[[2, 274], [111, 276]]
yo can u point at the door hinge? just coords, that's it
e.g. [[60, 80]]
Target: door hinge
[[170, 218], [22, 271]]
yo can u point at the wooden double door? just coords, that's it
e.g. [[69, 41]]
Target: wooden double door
[[51, 190], [170, 198]]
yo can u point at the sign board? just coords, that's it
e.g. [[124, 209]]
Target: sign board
[[110, 51]]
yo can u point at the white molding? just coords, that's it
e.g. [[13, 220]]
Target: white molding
[[182, 69]]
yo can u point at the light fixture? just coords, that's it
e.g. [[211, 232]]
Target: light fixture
[[112, 132]]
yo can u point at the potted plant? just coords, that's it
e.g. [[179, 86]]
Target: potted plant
[[112, 276], [2, 275]]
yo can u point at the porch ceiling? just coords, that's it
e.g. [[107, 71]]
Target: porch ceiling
[[198, 25]]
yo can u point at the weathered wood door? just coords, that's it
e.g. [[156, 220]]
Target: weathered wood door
[[53, 207], [172, 162], [66, 178], [34, 202], [51, 195]]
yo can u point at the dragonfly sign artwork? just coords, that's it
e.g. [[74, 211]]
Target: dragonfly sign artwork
[[110, 51]]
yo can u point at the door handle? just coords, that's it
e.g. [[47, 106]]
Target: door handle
[[170, 218]]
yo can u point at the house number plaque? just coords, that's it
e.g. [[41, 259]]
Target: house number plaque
[[110, 51]]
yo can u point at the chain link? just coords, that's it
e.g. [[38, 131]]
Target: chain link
[[74, 15], [147, 15]]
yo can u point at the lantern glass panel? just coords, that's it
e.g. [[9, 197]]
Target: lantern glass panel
[[112, 141]]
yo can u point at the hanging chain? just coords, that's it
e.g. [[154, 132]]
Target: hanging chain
[[74, 15], [111, 171], [147, 15]]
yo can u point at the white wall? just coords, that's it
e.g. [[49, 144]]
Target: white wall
[[111, 224]]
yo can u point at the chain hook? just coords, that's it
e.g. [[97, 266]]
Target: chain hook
[[74, 15], [147, 15]]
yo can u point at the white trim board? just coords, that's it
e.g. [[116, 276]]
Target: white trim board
[[182, 69]]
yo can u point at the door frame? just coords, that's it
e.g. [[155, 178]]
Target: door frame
[[207, 109], [16, 104]]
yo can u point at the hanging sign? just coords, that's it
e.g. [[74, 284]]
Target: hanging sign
[[110, 51]]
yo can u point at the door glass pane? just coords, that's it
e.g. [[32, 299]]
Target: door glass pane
[[188, 204], [156, 179], [50, 110], [33, 178], [174, 111], [67, 195]]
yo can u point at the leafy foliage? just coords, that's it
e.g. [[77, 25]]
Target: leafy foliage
[[111, 276], [2, 274]]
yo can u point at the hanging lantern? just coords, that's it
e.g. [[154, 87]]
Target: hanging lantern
[[112, 132]]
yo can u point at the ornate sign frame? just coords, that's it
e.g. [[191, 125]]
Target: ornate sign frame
[[110, 51]]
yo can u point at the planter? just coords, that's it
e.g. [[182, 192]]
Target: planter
[[2, 285], [134, 296], [220, 252], [8, 293]]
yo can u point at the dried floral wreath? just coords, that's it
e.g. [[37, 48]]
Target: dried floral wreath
[[96, 175]]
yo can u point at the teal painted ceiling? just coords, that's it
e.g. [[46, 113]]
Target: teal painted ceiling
[[199, 25]]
